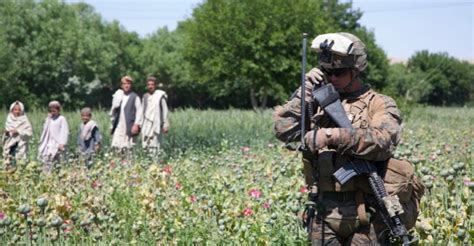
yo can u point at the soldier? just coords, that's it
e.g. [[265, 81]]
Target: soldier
[[16, 134], [126, 113], [345, 215], [155, 118]]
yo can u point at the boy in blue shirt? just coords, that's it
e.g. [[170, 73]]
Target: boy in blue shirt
[[88, 137]]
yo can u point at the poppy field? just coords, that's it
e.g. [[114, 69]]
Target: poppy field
[[222, 179]]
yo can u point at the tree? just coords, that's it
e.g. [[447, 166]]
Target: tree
[[407, 84], [250, 50], [450, 80], [62, 51], [162, 57]]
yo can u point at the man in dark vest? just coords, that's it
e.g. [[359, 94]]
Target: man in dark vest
[[126, 114]]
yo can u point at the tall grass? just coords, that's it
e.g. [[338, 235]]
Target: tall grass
[[190, 129], [200, 196]]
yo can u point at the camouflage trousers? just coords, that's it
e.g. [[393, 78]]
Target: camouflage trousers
[[338, 224]]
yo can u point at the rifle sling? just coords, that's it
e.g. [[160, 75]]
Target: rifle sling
[[361, 213], [332, 97]]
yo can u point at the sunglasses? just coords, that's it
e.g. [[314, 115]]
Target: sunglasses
[[336, 72]]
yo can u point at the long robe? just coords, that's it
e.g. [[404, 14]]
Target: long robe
[[155, 118], [55, 133], [16, 146], [120, 139]]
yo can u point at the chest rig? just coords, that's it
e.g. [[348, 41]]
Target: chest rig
[[320, 167]]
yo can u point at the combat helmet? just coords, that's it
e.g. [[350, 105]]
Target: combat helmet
[[340, 50]]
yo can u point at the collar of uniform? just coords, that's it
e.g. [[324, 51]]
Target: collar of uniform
[[362, 92]]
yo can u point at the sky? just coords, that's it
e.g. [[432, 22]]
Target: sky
[[401, 27]]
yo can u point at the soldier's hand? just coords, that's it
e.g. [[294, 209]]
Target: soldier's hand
[[165, 130], [315, 76], [316, 140]]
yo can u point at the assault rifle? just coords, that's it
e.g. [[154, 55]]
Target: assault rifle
[[327, 98]]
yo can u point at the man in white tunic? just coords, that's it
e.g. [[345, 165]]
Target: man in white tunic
[[126, 115], [155, 118], [16, 134], [54, 137]]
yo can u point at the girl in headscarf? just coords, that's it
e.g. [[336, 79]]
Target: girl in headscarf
[[54, 138], [16, 134]]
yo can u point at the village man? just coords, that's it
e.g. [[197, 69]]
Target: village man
[[155, 119], [126, 116]]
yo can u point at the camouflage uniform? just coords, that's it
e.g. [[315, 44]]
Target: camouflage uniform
[[376, 131]]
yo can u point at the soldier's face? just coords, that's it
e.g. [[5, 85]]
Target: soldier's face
[[151, 86], [126, 86], [340, 78], [16, 111], [85, 118]]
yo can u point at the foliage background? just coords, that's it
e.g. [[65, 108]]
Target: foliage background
[[229, 53]]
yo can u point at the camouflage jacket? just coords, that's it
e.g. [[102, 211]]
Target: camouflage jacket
[[375, 118]]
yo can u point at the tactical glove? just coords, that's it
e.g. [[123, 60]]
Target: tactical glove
[[315, 76], [321, 138]]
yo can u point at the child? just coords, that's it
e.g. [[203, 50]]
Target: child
[[88, 137], [54, 137], [17, 132]]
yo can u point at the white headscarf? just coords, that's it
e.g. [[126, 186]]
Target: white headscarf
[[22, 107], [16, 122], [21, 124]]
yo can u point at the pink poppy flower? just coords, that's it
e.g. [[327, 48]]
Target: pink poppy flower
[[67, 229], [433, 157], [245, 149], [95, 184], [255, 193], [247, 212], [193, 198], [266, 205], [178, 186], [2, 215], [303, 189], [167, 169]]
